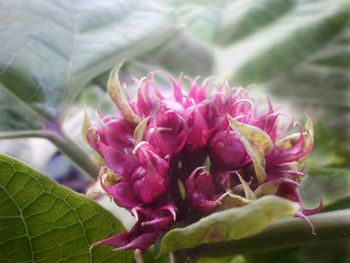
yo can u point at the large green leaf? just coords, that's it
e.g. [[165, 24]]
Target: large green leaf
[[41, 221], [325, 71], [231, 224], [242, 18], [182, 54], [201, 17], [290, 40], [50, 49], [15, 118]]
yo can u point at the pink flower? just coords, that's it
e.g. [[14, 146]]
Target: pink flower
[[155, 153]]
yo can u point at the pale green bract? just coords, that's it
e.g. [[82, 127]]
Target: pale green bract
[[230, 224], [257, 144]]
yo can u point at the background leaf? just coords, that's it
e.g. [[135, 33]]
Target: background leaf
[[15, 118], [328, 167], [41, 221], [51, 49], [249, 17], [293, 38], [231, 224]]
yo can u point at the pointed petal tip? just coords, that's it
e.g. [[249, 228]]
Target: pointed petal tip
[[116, 93]]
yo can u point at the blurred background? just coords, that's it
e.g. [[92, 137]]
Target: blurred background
[[295, 51]]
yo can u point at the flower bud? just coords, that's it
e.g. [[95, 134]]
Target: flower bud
[[167, 131], [200, 192], [149, 179], [227, 149], [198, 131]]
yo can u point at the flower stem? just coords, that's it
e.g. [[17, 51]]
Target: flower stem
[[71, 149], [74, 151], [285, 233]]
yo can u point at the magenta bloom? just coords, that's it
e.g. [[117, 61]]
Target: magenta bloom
[[174, 157]]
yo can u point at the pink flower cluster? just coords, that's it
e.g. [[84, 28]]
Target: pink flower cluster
[[180, 157]]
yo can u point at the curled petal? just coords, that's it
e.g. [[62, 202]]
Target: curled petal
[[117, 188], [150, 180], [133, 239], [296, 146], [197, 93], [117, 133], [316, 210], [122, 194], [169, 132], [150, 224], [198, 130], [200, 192], [289, 191], [148, 98], [120, 162]]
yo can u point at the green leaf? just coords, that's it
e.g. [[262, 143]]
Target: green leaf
[[183, 53], [231, 224], [200, 16], [15, 118], [328, 168], [325, 72], [295, 37], [51, 49], [41, 221], [327, 157], [325, 183], [249, 17]]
